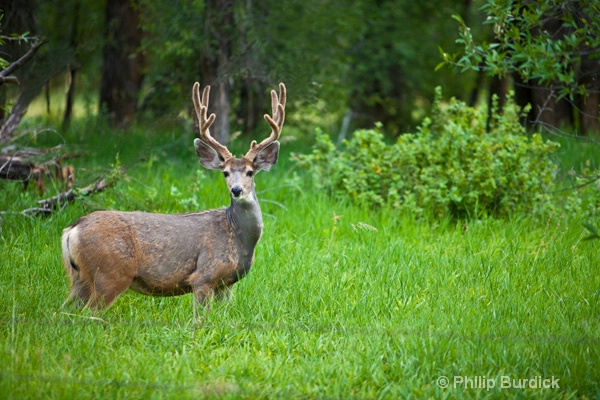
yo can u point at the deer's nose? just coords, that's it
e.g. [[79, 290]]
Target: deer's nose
[[236, 191]]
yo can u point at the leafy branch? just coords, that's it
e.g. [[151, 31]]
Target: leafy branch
[[544, 42]]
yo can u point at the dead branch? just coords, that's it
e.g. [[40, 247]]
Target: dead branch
[[58, 202], [9, 79]]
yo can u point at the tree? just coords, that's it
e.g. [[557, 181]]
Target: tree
[[218, 39], [552, 50], [122, 66], [365, 55], [73, 67], [20, 28], [393, 61], [10, 124], [13, 20]]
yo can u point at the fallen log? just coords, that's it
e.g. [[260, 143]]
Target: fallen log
[[20, 166], [16, 168]]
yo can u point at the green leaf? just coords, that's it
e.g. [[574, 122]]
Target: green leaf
[[591, 237], [593, 231]]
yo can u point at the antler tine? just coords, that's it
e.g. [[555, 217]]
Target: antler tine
[[201, 107], [282, 95], [276, 122]]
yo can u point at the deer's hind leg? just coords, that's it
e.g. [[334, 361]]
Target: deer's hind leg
[[80, 293], [80, 288], [106, 287]]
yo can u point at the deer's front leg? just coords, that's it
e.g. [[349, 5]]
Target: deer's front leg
[[202, 287], [224, 293], [203, 281]]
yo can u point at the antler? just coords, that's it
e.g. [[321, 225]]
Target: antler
[[201, 106], [276, 122]]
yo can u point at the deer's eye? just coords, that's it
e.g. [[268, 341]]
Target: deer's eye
[[225, 174], [250, 173]]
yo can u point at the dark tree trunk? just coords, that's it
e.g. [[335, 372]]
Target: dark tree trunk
[[479, 85], [73, 68], [590, 118], [251, 105], [122, 62], [70, 98], [47, 95], [498, 87], [546, 112], [218, 35], [590, 105], [523, 98]]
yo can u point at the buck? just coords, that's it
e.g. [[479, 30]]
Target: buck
[[108, 252]]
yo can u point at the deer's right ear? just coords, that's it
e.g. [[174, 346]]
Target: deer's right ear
[[209, 158]]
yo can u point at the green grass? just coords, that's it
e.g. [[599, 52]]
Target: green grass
[[342, 302]]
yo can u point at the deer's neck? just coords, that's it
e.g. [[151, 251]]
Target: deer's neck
[[245, 219]]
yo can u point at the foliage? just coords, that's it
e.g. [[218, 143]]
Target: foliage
[[332, 56], [592, 230], [453, 165], [392, 75], [546, 41], [172, 43], [343, 301], [361, 58], [24, 38]]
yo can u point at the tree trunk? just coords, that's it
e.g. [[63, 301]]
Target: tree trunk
[[545, 112], [250, 108], [73, 67], [122, 62], [590, 104], [498, 87], [590, 113], [218, 35], [70, 98]]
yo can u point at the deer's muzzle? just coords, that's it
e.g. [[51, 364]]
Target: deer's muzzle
[[236, 191]]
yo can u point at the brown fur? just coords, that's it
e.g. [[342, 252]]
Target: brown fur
[[154, 254]]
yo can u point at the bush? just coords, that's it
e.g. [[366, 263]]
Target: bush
[[453, 165]]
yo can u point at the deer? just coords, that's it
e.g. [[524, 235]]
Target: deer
[[204, 253]]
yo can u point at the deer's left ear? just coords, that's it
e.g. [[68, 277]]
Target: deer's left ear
[[267, 157]]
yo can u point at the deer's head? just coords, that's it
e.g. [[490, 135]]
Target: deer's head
[[239, 172]]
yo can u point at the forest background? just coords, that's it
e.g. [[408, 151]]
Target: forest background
[[432, 215]]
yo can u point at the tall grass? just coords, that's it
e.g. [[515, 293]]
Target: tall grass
[[342, 302]]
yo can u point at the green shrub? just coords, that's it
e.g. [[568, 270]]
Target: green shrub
[[453, 165]]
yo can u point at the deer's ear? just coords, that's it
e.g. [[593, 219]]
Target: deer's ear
[[209, 158], [267, 157]]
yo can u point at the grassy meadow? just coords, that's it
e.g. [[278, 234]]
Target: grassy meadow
[[342, 301]]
